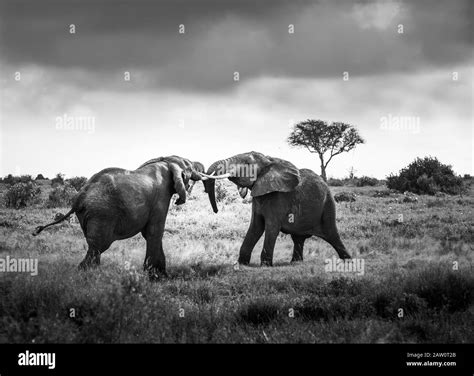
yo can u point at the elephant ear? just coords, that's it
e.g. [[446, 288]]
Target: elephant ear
[[179, 179], [278, 176]]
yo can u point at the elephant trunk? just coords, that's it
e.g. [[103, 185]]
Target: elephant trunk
[[210, 189], [218, 167]]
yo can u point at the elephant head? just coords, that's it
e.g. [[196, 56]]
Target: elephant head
[[199, 168], [255, 171], [182, 170]]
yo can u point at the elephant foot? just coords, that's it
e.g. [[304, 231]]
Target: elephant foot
[[266, 263], [88, 264], [295, 260], [345, 256], [244, 260], [155, 275]]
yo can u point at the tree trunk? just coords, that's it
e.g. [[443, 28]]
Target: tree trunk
[[323, 168]]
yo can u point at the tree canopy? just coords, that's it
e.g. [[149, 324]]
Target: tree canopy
[[327, 140]]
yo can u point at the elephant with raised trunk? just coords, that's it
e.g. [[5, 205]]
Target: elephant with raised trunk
[[117, 204], [284, 198]]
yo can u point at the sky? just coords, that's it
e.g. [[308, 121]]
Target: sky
[[86, 85]]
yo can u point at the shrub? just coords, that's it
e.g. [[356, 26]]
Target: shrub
[[326, 308], [366, 181], [40, 177], [442, 289], [345, 197], [77, 182], [20, 195], [24, 179], [221, 192], [58, 180], [381, 194], [335, 182], [426, 176], [259, 312], [61, 196], [11, 180], [409, 197]]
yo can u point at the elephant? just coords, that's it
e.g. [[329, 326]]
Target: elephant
[[117, 204], [284, 198]]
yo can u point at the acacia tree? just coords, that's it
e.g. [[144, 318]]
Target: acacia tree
[[327, 140]]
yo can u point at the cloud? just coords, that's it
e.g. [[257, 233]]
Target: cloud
[[379, 15], [250, 37], [131, 127]]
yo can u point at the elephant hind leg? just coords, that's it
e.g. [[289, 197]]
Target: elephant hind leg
[[91, 260], [329, 229], [99, 237], [298, 244]]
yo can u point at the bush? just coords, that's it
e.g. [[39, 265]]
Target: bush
[[58, 180], [259, 312], [61, 196], [40, 177], [221, 192], [77, 182], [11, 180], [442, 289], [366, 181], [381, 194], [345, 197], [20, 195], [426, 176], [335, 182]]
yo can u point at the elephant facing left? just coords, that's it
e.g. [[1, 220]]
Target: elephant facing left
[[117, 204]]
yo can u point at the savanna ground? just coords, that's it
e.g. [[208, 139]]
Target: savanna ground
[[423, 265]]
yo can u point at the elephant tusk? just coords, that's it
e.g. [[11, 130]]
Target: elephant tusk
[[205, 176], [216, 176]]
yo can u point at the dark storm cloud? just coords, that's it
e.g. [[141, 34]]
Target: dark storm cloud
[[250, 37]]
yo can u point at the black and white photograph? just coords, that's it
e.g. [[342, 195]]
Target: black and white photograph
[[236, 172]]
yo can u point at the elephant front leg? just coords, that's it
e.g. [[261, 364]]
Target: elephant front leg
[[254, 233], [271, 234], [155, 262]]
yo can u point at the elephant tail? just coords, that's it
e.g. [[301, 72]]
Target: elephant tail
[[64, 217]]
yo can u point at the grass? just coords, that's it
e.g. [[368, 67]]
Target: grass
[[417, 287]]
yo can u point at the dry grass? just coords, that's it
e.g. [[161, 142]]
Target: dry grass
[[408, 265]]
